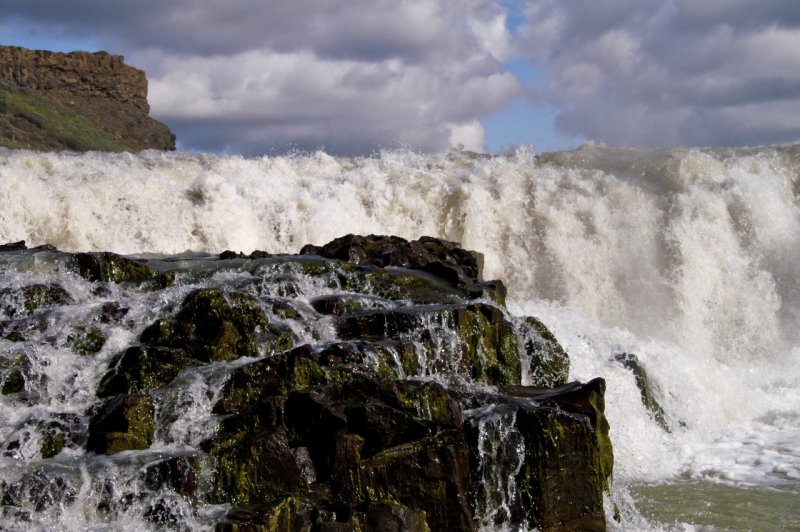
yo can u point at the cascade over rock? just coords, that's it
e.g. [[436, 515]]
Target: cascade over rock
[[369, 384]]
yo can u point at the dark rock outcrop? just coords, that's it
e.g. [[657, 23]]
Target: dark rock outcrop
[[99, 87], [370, 384]]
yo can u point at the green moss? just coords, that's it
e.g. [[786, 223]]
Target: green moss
[[282, 514], [15, 336], [30, 121], [248, 465], [213, 326], [429, 401], [403, 284]]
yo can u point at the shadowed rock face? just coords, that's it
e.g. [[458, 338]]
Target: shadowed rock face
[[96, 86], [359, 390]]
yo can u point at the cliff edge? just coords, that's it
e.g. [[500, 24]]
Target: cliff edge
[[78, 101]]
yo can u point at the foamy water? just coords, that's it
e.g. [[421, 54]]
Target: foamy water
[[687, 258]]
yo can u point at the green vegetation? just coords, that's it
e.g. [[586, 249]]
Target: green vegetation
[[30, 121]]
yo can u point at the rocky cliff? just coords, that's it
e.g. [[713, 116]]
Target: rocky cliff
[[43, 90]]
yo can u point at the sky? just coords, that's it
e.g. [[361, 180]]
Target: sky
[[356, 76]]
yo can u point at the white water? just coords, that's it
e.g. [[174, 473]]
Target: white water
[[687, 258]]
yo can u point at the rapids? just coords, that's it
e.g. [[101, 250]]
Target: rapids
[[686, 257]]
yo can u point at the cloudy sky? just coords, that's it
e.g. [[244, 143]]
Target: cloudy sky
[[355, 76]]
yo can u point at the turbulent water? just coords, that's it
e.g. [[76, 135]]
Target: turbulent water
[[688, 258]]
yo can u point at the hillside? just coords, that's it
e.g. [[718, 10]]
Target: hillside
[[78, 101]]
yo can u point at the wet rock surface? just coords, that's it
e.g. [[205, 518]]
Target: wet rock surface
[[369, 384]]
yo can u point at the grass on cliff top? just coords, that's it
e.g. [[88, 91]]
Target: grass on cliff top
[[33, 122]]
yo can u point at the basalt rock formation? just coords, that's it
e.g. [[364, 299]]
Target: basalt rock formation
[[79, 101], [369, 384]]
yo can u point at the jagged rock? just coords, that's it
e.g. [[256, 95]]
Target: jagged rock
[[380, 421], [567, 457], [86, 340], [178, 473], [368, 441], [122, 423], [479, 340], [62, 430], [32, 298], [14, 382]]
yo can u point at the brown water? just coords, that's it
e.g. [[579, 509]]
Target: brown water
[[712, 506]]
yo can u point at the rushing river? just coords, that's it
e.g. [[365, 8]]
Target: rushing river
[[687, 258]]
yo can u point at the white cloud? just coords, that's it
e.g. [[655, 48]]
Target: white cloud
[[306, 101], [468, 136], [675, 73]]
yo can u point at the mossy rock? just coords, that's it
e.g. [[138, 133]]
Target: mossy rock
[[431, 475], [62, 430], [304, 368], [631, 362], [568, 457], [249, 465], [17, 373], [404, 284], [122, 423], [476, 341], [214, 326], [341, 304], [112, 268], [141, 368], [492, 347], [339, 428], [446, 260], [44, 295]]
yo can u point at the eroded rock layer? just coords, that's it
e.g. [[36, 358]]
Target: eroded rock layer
[[99, 87]]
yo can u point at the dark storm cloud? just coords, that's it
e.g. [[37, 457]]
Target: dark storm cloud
[[682, 72], [246, 76], [372, 30]]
